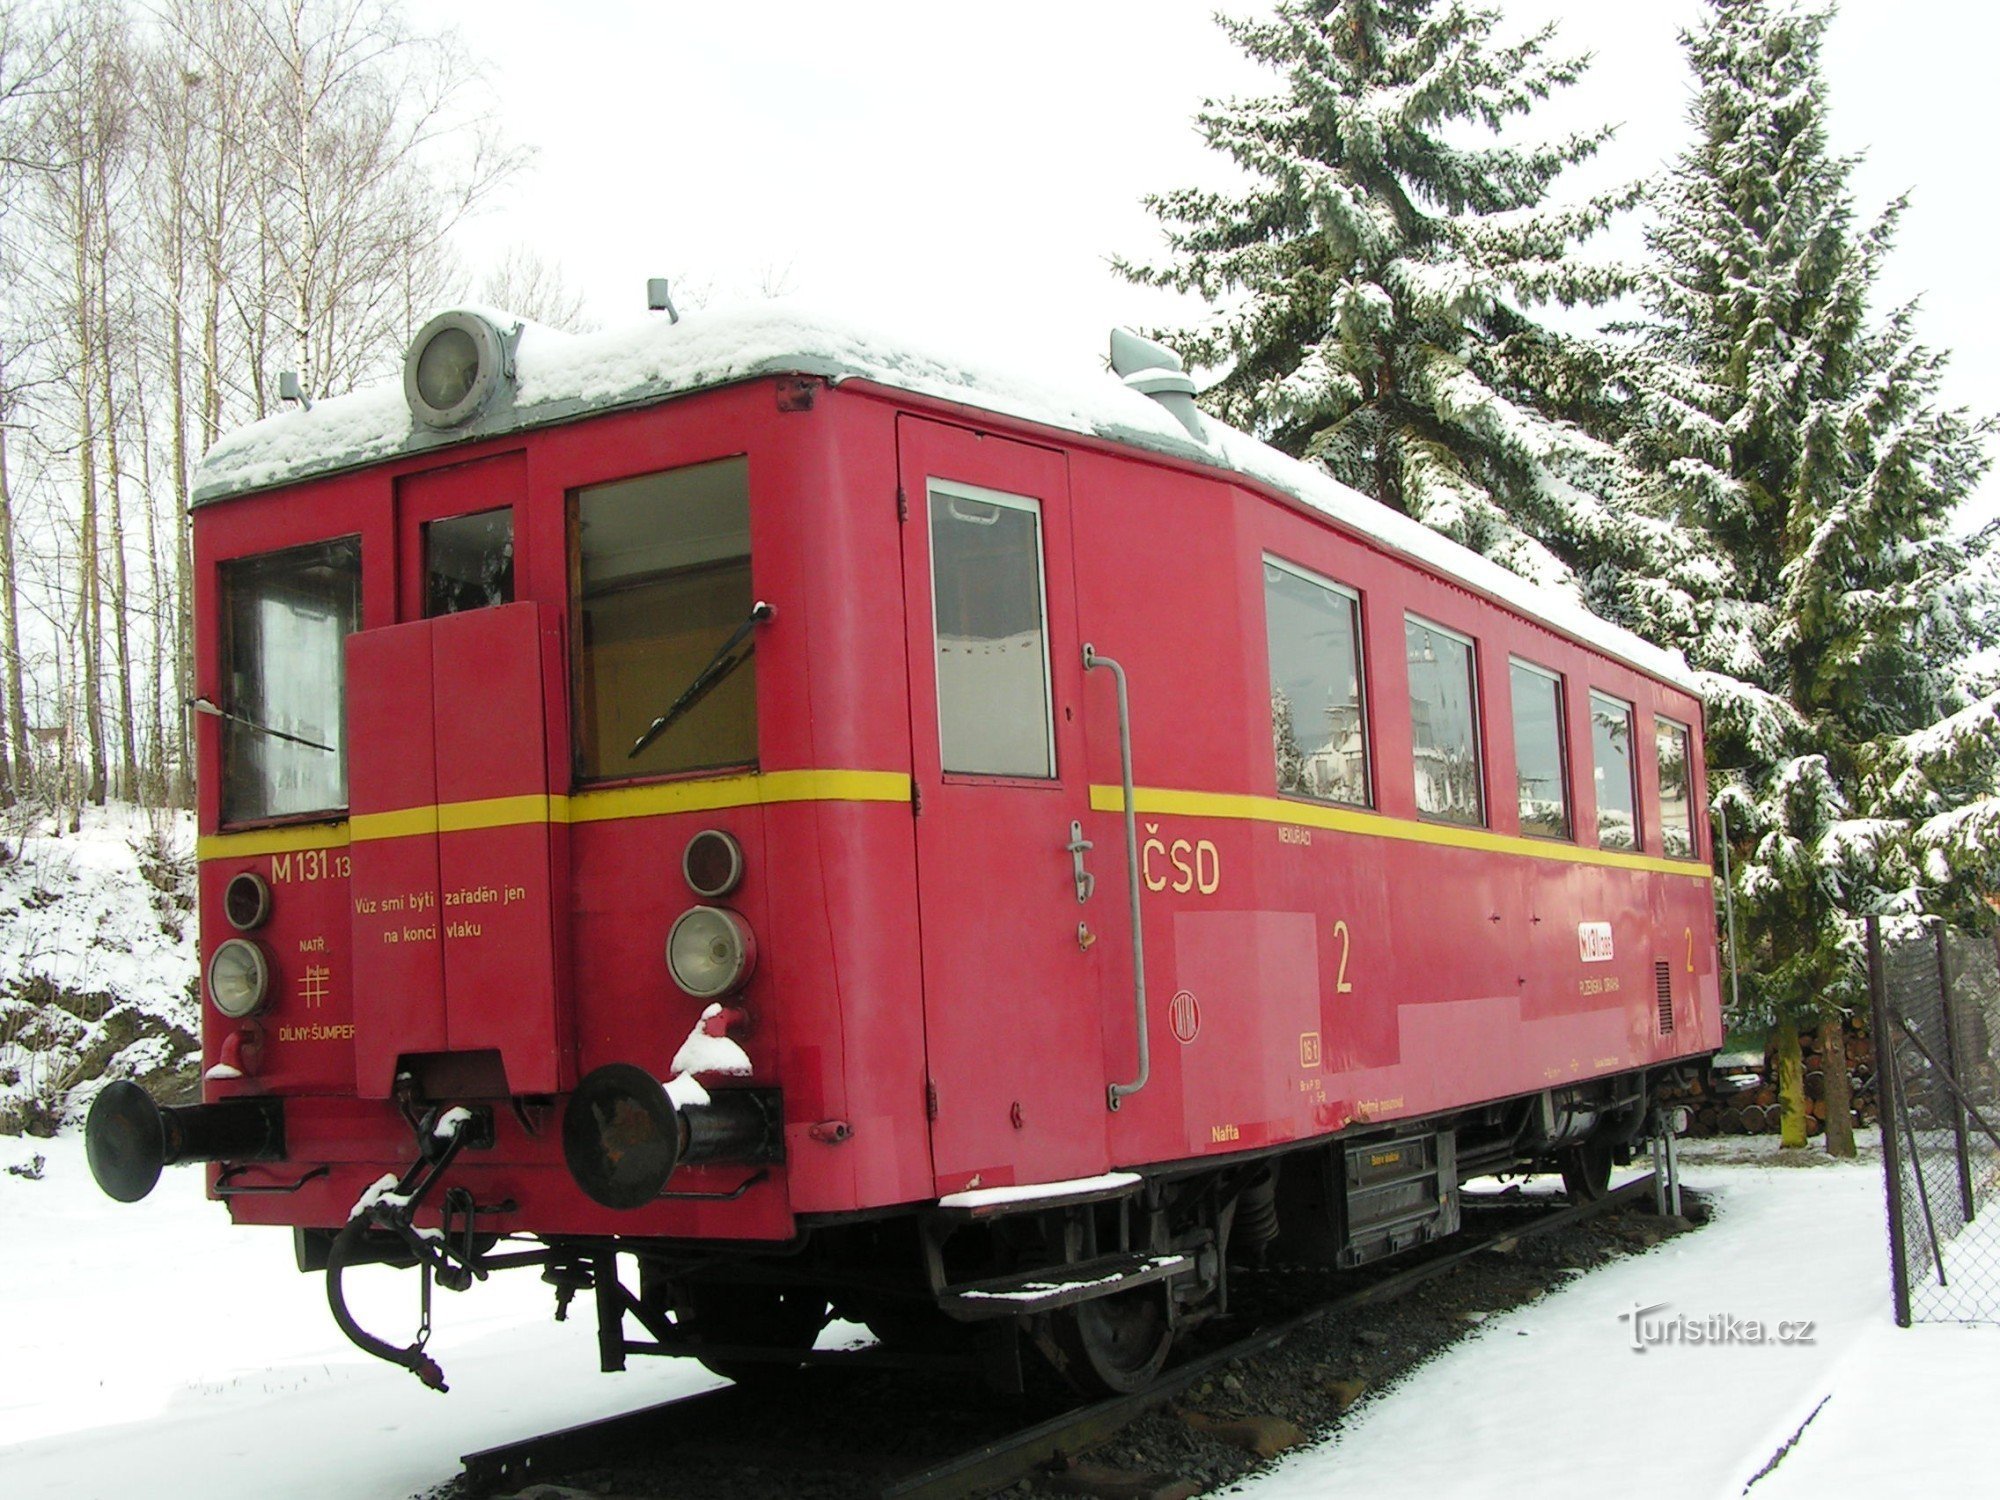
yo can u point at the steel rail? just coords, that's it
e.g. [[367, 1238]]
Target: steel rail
[[994, 1465], [997, 1464]]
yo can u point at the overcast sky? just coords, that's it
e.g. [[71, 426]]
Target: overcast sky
[[969, 170]]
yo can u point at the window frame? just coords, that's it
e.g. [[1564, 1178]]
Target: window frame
[[224, 661], [507, 508], [1566, 780], [1665, 721], [574, 606], [1031, 506], [1476, 712], [1631, 772], [1369, 790]]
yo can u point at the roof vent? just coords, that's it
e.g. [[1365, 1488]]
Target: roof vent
[[1152, 369], [453, 368]]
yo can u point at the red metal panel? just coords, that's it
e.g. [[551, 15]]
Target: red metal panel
[[498, 895], [398, 959]]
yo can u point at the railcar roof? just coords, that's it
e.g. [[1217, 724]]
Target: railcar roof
[[559, 377]]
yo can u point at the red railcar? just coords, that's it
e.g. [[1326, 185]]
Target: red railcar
[[857, 834]]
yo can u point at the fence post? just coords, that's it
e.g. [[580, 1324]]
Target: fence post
[[1885, 1109], [1951, 1067]]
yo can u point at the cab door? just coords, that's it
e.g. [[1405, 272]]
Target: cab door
[[1013, 1036]]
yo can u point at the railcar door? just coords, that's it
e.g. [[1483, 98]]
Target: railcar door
[[1012, 1030]]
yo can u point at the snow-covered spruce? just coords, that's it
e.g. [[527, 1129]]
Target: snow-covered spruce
[[1805, 438], [1374, 286]]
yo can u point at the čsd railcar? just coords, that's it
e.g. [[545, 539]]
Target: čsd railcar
[[770, 824]]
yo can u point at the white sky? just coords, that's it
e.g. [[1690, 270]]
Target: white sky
[[963, 168]]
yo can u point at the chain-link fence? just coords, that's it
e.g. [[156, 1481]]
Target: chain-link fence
[[1937, 1041]]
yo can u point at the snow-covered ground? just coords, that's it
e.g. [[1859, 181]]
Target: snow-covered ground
[[154, 1350], [97, 956]]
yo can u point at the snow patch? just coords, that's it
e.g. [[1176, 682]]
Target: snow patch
[[987, 1197], [562, 376]]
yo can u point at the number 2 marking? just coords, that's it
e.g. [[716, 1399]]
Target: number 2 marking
[[1690, 937], [1340, 984]]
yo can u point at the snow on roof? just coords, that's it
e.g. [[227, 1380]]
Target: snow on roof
[[559, 377]]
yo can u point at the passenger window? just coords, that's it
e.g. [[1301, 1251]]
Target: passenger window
[[1444, 723], [468, 562], [992, 636], [286, 616], [1611, 748], [1676, 788], [663, 582], [1541, 769], [1319, 726]]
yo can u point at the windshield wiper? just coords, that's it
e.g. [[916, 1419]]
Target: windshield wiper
[[719, 666], [207, 706]]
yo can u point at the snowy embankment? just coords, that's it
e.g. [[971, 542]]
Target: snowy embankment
[[97, 962], [156, 1351]]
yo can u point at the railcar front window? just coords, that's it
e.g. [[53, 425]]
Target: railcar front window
[[663, 581], [285, 617], [992, 633], [1611, 746], [1319, 728], [1676, 788], [468, 562], [1444, 723], [1540, 768]]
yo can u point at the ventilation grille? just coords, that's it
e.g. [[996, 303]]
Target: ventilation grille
[[1664, 984]]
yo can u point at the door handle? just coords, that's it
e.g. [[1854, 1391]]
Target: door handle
[[1076, 848]]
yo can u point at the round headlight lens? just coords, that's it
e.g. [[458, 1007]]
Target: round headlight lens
[[246, 901], [713, 863], [239, 977], [710, 951], [453, 369], [447, 367]]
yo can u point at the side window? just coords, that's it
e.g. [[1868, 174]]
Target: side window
[[1676, 787], [662, 583], [1319, 724], [1611, 750], [286, 616], [1541, 772], [991, 613], [1444, 723], [468, 562]]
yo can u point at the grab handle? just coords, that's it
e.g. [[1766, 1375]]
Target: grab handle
[[1117, 1092]]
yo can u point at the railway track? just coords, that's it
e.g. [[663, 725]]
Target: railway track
[[993, 1465]]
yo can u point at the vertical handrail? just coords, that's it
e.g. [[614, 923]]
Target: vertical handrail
[[1118, 1092]]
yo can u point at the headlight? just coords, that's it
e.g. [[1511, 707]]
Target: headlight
[[453, 368], [239, 977], [710, 951], [246, 901], [712, 863]]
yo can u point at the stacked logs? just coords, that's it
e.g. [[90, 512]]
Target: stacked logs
[[1740, 1097]]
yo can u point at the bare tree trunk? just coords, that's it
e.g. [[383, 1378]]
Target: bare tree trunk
[[10, 629], [1791, 1086], [153, 763], [121, 592], [89, 596], [1839, 1100]]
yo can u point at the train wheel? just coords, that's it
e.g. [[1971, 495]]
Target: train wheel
[[783, 1320], [1114, 1345], [1586, 1171]]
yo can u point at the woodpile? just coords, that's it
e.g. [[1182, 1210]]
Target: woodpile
[[1742, 1098]]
